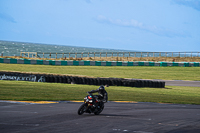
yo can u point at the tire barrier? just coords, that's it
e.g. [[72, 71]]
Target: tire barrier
[[97, 63], [106, 81], [80, 80]]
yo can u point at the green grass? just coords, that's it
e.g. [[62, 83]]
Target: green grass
[[34, 91], [37, 91], [138, 72]]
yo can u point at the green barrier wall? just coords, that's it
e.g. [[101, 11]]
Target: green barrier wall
[[186, 64], [98, 63], [140, 63], [13, 61], [27, 61], [86, 63], [196, 64], [163, 63], [175, 64], [76, 63], [108, 63], [151, 63], [129, 63], [64, 63], [51, 62], [119, 63], [40, 62], [1, 60]]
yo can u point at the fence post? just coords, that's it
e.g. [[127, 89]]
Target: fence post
[[88, 54], [172, 54], [112, 54], [129, 54], [56, 55], [63, 55], [69, 55], [106, 54], [76, 56], [165, 54], [135, 54], [94, 55], [82, 55], [43, 54], [117, 54], [123, 54], [147, 54], [100, 55], [28, 54], [185, 54], [179, 54], [191, 54], [50, 55], [141, 54], [159, 54], [153, 54]]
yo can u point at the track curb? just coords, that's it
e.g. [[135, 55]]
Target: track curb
[[52, 102]]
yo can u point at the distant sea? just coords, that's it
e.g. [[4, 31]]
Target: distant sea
[[12, 48]]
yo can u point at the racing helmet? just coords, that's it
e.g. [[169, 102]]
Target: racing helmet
[[101, 88]]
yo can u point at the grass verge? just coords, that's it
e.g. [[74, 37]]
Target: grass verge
[[137, 72], [37, 91]]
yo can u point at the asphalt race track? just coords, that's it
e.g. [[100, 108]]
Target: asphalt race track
[[182, 83], [116, 117], [62, 117]]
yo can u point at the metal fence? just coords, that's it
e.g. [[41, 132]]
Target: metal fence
[[108, 54]]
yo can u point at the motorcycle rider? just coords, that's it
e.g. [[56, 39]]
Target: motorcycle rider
[[103, 96]]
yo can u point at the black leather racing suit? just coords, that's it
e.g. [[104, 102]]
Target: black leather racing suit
[[103, 96]]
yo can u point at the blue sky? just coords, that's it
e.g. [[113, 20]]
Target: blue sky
[[143, 25]]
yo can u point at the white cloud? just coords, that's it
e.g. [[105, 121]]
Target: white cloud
[[131, 23], [139, 25], [190, 3]]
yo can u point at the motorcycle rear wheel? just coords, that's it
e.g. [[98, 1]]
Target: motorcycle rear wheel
[[99, 110], [82, 109]]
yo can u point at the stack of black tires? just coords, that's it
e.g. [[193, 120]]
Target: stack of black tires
[[104, 81], [86, 80]]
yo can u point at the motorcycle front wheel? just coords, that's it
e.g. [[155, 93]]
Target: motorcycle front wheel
[[82, 109]]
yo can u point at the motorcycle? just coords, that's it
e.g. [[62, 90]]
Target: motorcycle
[[91, 105]]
